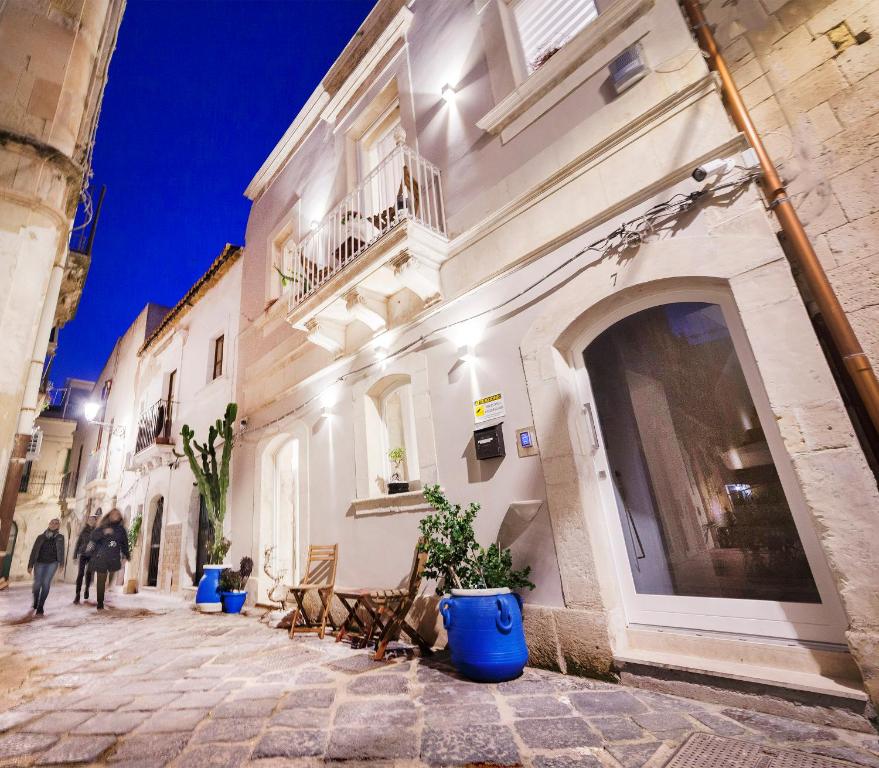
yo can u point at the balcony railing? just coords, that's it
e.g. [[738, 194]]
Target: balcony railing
[[404, 186], [154, 427], [33, 483], [68, 486]]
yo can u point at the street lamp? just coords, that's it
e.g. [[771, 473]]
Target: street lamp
[[91, 409]]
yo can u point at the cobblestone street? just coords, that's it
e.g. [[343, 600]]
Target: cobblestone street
[[151, 683]]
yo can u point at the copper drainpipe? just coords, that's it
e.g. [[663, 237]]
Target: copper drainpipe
[[856, 361]]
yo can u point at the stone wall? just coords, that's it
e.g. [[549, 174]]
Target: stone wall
[[809, 72]]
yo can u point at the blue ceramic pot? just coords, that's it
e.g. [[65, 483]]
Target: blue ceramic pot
[[207, 598], [233, 602], [485, 633]]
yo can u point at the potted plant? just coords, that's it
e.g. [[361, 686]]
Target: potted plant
[[232, 586], [482, 615], [396, 484], [212, 479], [133, 537]]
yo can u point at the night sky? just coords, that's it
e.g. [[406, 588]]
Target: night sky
[[199, 94]]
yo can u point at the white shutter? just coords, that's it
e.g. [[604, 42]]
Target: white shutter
[[36, 443], [545, 24]]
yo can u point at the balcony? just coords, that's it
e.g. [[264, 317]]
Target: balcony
[[32, 484], [154, 440], [374, 260]]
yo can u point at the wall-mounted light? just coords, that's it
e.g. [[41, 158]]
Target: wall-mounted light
[[449, 93], [314, 224], [91, 409], [326, 412], [329, 397], [467, 353]]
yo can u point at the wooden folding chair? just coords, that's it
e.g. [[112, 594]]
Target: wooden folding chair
[[320, 578], [384, 611]]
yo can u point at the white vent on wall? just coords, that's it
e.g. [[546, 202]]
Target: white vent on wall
[[36, 443], [545, 25], [628, 68]]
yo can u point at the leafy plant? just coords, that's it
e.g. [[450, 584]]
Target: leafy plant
[[454, 557], [235, 581], [212, 475], [134, 531], [397, 456]]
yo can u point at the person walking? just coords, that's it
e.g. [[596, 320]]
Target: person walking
[[111, 546], [46, 555], [83, 552]]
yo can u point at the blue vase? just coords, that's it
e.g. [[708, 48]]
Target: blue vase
[[207, 598], [233, 602], [485, 631]]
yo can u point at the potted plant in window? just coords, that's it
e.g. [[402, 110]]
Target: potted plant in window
[[396, 484], [482, 615], [232, 586], [212, 479]]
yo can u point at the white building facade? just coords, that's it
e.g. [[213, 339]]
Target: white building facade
[[172, 367], [478, 202]]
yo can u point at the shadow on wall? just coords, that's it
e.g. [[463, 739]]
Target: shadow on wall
[[479, 471]]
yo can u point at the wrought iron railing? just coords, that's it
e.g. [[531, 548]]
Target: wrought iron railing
[[33, 483], [68, 486], [154, 427], [404, 186]]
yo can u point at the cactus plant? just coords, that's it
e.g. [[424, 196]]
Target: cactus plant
[[212, 475]]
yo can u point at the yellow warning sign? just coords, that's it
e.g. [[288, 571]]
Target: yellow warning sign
[[489, 407]]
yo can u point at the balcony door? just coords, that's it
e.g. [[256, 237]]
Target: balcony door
[[380, 177], [707, 521]]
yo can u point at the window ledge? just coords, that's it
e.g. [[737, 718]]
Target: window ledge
[[391, 504], [555, 79]]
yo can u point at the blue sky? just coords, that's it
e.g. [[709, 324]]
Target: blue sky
[[198, 95]]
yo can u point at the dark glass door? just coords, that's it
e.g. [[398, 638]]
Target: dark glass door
[[205, 540], [155, 544], [6, 563]]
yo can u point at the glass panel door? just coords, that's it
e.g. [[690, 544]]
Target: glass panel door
[[707, 529]]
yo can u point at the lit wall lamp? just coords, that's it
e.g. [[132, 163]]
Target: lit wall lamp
[[449, 93], [91, 409], [467, 353], [314, 225]]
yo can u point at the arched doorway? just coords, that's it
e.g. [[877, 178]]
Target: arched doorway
[[707, 521], [155, 543]]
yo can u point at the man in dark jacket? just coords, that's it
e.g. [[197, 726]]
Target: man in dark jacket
[[82, 551], [111, 546], [47, 554]]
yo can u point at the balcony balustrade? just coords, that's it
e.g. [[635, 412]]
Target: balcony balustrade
[[154, 426], [32, 483], [387, 235]]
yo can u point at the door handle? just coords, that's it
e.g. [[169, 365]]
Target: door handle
[[587, 407]]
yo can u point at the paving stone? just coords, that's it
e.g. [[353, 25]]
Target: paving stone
[[112, 722], [719, 724], [850, 754], [313, 676], [446, 716], [539, 706], [265, 691], [245, 708], [101, 702], [151, 702], [556, 733], [634, 755], [571, 761], [289, 744], [163, 747], [619, 728], [195, 684], [239, 729], [213, 756], [379, 713], [169, 720], [663, 722], [371, 743], [302, 718], [456, 694], [198, 700], [77, 749], [493, 744], [780, 728], [310, 698], [57, 722], [14, 718], [357, 664], [606, 703], [17, 744], [665, 703], [379, 684]]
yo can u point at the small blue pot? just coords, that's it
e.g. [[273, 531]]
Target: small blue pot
[[485, 633], [233, 602], [207, 598]]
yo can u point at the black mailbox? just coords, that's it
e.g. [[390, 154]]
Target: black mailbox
[[489, 442]]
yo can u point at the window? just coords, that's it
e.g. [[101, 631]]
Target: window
[[546, 25], [398, 431], [218, 358]]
